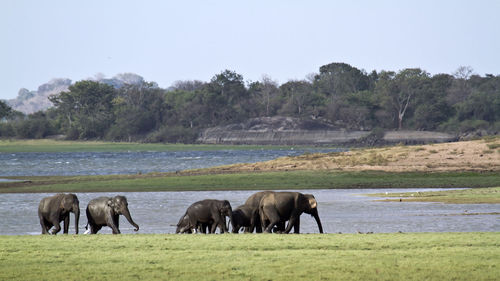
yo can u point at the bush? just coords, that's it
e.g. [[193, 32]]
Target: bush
[[7, 130], [473, 125], [376, 136], [33, 128], [173, 134]]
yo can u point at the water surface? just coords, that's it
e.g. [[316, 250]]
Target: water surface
[[106, 163]]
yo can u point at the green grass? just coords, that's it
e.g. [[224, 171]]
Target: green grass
[[463, 196], [251, 181], [46, 145], [407, 256]]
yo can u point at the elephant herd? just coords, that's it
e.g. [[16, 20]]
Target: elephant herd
[[265, 211]]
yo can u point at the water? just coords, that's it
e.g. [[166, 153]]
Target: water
[[346, 211], [106, 163]]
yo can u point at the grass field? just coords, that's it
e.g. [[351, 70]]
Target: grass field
[[251, 181], [463, 196], [48, 145], [398, 256]]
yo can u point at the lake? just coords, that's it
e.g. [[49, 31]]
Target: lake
[[346, 211], [106, 163]]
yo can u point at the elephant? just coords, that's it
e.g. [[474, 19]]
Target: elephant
[[54, 209], [183, 225], [209, 211], [279, 207], [105, 211], [244, 216], [253, 202]]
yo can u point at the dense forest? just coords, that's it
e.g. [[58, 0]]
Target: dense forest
[[410, 99]]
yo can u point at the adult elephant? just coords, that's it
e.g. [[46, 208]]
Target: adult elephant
[[105, 211], [183, 225], [253, 203], [278, 207], [244, 216], [209, 211], [55, 209]]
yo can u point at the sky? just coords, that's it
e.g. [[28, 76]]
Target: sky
[[167, 41]]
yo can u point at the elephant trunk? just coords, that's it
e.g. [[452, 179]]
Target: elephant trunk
[[318, 221], [126, 213], [76, 211]]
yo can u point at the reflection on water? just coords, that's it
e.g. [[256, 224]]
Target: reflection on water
[[105, 163], [346, 211]]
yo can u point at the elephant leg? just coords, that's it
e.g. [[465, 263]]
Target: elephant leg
[[293, 222], [45, 228], [66, 225], [94, 229], [280, 227], [296, 227], [257, 224], [214, 227], [223, 227], [57, 227], [251, 227], [258, 228], [273, 217], [115, 225], [204, 227]]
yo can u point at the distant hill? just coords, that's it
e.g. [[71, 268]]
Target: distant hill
[[32, 101], [29, 102]]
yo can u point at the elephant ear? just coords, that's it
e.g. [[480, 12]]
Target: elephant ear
[[110, 203], [312, 202]]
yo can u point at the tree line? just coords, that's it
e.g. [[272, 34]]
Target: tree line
[[340, 94]]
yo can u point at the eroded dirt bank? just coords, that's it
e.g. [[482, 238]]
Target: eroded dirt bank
[[478, 155]]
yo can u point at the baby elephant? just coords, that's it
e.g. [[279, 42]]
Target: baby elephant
[[209, 211], [183, 226], [105, 211], [244, 216]]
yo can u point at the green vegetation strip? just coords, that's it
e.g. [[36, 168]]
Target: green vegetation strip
[[250, 181], [47, 145], [462, 196], [400, 256]]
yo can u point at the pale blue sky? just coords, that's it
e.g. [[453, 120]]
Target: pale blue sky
[[165, 41]]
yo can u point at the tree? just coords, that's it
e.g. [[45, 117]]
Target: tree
[[431, 107], [483, 103], [138, 109], [35, 126], [223, 98], [300, 99], [336, 79], [86, 109], [265, 94], [461, 87], [5, 109], [188, 85], [397, 91]]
